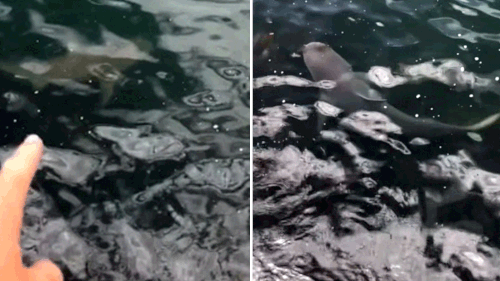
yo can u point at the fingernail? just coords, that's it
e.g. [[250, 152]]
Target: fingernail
[[32, 139]]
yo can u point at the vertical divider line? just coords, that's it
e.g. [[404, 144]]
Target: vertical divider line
[[251, 139]]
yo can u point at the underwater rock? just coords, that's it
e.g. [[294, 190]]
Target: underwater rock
[[402, 202], [224, 146], [287, 110], [463, 181], [134, 116], [289, 167], [196, 226], [227, 175], [212, 121], [138, 143], [327, 109], [383, 77], [362, 164], [66, 166], [300, 260], [228, 69], [296, 111], [375, 125], [219, 179], [17, 102], [71, 167], [461, 251], [137, 252], [209, 100], [47, 235], [462, 171], [265, 270], [219, 19], [371, 124], [447, 167], [450, 72], [369, 183], [113, 248], [271, 120], [275, 81], [287, 181], [268, 126], [61, 245]]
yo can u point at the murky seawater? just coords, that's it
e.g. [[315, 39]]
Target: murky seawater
[[361, 198], [143, 107]]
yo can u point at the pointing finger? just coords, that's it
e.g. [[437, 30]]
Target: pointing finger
[[15, 179], [45, 270]]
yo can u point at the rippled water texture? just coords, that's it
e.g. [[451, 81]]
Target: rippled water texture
[[358, 198], [144, 110]]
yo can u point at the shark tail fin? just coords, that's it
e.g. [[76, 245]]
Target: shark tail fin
[[484, 123]]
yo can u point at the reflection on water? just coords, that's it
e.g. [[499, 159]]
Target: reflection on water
[[144, 110], [366, 197]]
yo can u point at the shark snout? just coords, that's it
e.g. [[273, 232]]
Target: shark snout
[[313, 46]]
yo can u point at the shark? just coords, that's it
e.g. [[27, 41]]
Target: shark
[[72, 72], [80, 61], [353, 93]]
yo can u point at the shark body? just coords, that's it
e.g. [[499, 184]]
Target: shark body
[[352, 94]]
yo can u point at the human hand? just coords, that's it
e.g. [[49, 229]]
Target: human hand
[[15, 179]]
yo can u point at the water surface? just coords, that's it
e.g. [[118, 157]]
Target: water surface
[[144, 111], [359, 201]]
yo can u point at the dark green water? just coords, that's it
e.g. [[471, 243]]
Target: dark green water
[[143, 110]]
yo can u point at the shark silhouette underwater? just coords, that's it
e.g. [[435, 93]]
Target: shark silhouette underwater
[[76, 60], [352, 93], [71, 71]]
